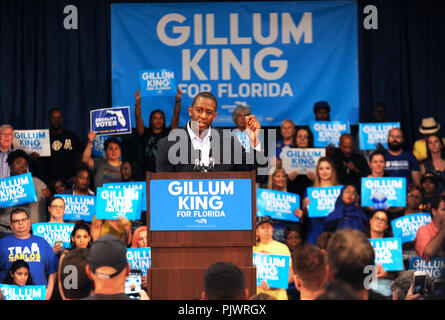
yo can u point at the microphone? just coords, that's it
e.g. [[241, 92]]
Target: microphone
[[197, 167], [211, 161]]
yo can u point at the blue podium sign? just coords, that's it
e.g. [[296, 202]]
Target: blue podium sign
[[322, 200], [388, 252], [208, 204], [277, 204], [393, 189], [274, 269]]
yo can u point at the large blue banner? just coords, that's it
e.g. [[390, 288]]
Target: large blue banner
[[222, 204], [388, 253], [17, 190], [283, 54], [406, 227], [277, 204], [13, 292], [391, 191], [272, 268]]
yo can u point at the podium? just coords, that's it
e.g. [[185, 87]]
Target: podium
[[179, 258]]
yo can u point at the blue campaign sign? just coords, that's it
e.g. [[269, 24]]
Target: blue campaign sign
[[140, 185], [78, 207], [112, 203], [370, 134], [406, 227], [328, 132], [13, 292], [277, 204], [322, 200], [139, 258], [274, 269], [263, 54], [434, 269], [111, 121], [54, 231], [17, 190], [390, 189], [388, 252], [208, 204], [157, 82], [301, 160], [33, 141]]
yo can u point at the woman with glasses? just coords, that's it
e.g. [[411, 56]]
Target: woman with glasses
[[346, 213]]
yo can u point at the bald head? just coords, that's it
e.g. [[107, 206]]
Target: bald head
[[346, 145]]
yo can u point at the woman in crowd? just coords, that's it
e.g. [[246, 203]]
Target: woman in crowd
[[379, 225], [130, 171], [81, 236], [429, 186], [413, 199], [58, 186], [120, 228], [377, 163], [108, 169], [435, 161], [326, 176], [140, 241], [19, 274], [298, 183], [82, 181], [346, 213]]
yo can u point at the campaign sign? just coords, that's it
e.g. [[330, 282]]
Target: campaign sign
[[328, 132], [54, 231], [277, 204], [406, 227], [111, 121], [139, 258], [243, 138], [78, 207], [17, 190], [388, 252], [274, 269], [157, 82], [434, 269], [140, 185], [370, 134], [13, 292], [112, 203], [301, 160], [391, 188], [322, 200], [33, 141], [208, 204]]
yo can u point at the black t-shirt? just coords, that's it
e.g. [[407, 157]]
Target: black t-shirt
[[65, 155], [149, 141]]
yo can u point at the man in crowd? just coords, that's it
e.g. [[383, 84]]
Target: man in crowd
[[310, 270], [400, 163], [35, 250], [6, 136], [350, 166], [430, 238], [322, 111], [224, 281], [66, 148], [287, 130]]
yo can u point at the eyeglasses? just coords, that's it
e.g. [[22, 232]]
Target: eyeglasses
[[380, 220], [19, 220], [351, 192]]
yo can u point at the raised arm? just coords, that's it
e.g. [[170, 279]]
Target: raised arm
[[86, 156], [175, 119], [138, 113]]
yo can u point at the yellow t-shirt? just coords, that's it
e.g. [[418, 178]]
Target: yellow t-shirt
[[278, 248]]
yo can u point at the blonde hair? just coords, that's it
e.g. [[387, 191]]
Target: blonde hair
[[334, 180], [275, 171]]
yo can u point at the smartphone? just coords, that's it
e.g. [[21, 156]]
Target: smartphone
[[133, 285], [419, 282]]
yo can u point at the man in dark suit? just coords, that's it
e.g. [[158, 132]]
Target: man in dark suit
[[199, 147]]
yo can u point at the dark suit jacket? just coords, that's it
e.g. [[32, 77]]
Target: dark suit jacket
[[223, 148]]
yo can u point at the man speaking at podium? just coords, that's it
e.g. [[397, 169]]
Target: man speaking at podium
[[198, 147]]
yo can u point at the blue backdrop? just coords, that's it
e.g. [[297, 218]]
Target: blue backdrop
[[277, 57]]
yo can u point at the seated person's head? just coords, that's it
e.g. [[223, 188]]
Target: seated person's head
[[73, 280], [224, 281], [309, 264]]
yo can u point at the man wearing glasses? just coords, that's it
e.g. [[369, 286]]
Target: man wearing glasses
[[6, 136], [21, 244], [401, 163]]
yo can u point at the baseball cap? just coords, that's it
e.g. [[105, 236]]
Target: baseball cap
[[107, 251], [260, 220]]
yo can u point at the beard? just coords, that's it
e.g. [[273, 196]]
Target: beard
[[395, 146]]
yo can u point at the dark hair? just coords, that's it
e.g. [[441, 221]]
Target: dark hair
[[224, 281], [76, 258], [14, 267], [309, 264], [310, 143], [50, 201], [111, 140], [436, 202], [80, 226], [17, 210], [135, 170], [376, 153], [82, 166], [54, 109], [151, 118], [323, 239], [293, 227], [206, 95], [349, 252], [17, 154], [52, 184], [388, 232], [429, 158]]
